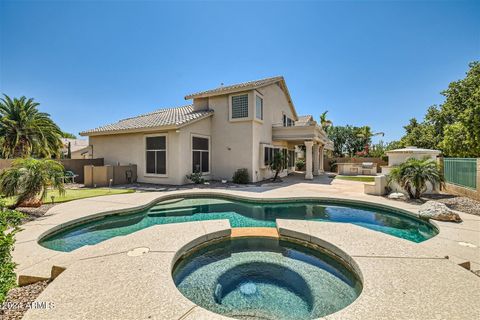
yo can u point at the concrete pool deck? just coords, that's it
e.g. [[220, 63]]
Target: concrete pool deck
[[115, 273]]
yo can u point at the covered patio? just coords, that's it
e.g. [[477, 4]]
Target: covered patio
[[315, 140]]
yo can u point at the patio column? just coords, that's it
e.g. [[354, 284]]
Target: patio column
[[320, 170], [316, 159], [308, 160]]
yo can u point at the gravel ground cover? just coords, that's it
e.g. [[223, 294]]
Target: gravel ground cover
[[458, 203], [20, 299]]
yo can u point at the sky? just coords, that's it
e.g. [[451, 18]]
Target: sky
[[376, 63]]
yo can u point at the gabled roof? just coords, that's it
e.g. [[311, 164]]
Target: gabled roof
[[244, 86], [304, 121], [160, 119]]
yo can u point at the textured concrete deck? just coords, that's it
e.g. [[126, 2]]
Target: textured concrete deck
[[130, 277], [116, 269]]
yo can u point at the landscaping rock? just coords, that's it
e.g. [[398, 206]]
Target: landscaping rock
[[438, 211], [397, 196]]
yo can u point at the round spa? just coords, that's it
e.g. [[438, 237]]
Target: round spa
[[265, 278]]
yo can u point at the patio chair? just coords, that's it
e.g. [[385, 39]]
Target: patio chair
[[69, 176]]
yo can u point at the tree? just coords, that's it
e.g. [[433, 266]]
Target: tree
[[25, 131], [277, 164], [29, 179], [324, 122], [454, 126], [68, 135], [69, 151], [414, 174]]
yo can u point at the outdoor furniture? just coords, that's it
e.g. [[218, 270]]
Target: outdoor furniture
[[69, 176]]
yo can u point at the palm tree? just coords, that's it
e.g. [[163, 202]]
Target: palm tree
[[414, 174], [324, 122], [29, 179], [27, 131], [365, 133]]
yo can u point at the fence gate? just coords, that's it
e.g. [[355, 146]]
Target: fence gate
[[461, 171]]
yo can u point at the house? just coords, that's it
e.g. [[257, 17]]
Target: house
[[79, 148], [224, 129]]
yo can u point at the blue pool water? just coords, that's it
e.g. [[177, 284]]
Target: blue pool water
[[253, 278], [240, 214]]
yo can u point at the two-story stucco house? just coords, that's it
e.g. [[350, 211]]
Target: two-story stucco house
[[224, 129]]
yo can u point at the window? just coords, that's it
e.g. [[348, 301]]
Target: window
[[240, 106], [156, 157], [200, 154], [287, 122], [268, 156], [291, 158], [259, 107]]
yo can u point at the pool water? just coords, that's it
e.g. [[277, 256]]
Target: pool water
[[253, 278], [240, 214]]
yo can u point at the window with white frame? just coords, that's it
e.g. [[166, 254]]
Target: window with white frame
[[156, 155], [258, 107], [291, 158], [240, 106], [287, 122], [200, 154]]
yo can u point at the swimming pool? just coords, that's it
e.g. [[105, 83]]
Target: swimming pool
[[240, 213]]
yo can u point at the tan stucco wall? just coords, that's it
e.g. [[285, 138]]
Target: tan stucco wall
[[130, 148]]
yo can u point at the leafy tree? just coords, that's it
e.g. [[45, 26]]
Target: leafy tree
[[68, 135], [413, 175], [29, 179], [9, 222], [25, 131], [454, 126], [277, 164]]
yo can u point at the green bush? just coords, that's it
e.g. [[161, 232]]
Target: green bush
[[300, 164], [196, 178], [241, 176], [9, 222]]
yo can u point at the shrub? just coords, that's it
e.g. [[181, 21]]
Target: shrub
[[241, 176], [277, 164], [28, 180], [196, 178], [9, 222], [300, 164], [414, 174]]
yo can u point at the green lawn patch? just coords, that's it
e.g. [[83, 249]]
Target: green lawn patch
[[356, 178], [75, 194]]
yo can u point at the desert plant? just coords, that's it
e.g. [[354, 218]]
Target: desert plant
[[196, 178], [414, 174], [9, 222], [241, 176], [277, 164], [300, 164], [27, 131], [28, 180]]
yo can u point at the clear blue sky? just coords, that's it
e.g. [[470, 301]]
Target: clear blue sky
[[369, 63]]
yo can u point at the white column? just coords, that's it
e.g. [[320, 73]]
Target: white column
[[316, 159], [320, 170], [308, 160]]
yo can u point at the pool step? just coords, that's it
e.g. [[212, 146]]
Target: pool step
[[254, 232], [171, 212]]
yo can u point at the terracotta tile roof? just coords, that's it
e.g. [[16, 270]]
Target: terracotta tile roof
[[173, 117], [303, 121], [235, 87]]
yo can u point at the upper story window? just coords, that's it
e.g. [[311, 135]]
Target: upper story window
[[200, 154], [287, 122], [258, 107], [156, 155], [240, 106]]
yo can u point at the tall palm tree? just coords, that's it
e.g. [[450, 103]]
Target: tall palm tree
[[324, 122], [366, 133], [414, 174], [29, 179], [26, 131]]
